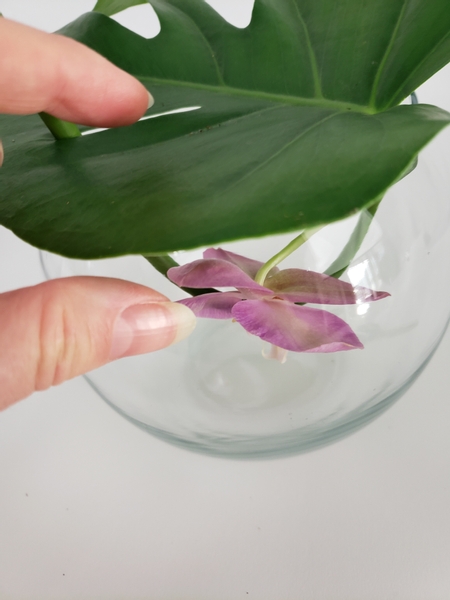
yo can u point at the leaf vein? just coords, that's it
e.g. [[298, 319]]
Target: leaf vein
[[252, 172], [311, 53], [386, 54], [282, 99], [206, 41], [417, 67]]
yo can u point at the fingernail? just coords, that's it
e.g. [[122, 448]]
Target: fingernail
[[1, 153], [145, 328], [151, 101]]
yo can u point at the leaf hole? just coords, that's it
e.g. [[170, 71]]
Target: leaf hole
[[145, 118], [236, 12], [140, 19]]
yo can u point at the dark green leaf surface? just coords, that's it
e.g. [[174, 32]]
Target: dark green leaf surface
[[289, 133], [111, 7]]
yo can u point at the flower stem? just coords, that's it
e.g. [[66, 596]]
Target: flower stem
[[289, 249], [61, 130]]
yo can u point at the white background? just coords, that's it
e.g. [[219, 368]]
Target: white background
[[93, 508]]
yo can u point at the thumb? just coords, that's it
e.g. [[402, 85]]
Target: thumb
[[62, 328]]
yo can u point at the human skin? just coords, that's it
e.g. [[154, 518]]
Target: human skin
[[59, 329]]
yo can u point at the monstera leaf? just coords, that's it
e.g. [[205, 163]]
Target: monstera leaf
[[295, 124], [112, 7]]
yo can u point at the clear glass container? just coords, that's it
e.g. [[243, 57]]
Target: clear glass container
[[215, 393]]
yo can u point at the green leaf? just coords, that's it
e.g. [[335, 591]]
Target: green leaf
[[112, 7], [297, 127]]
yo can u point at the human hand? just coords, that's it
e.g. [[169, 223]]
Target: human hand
[[60, 329]]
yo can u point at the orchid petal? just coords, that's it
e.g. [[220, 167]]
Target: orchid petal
[[255, 293], [363, 294], [297, 328], [213, 306], [248, 265], [211, 273], [299, 285]]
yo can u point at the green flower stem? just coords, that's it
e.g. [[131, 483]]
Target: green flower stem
[[61, 130], [289, 249], [164, 262]]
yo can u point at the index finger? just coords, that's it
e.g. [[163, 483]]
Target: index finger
[[51, 73]]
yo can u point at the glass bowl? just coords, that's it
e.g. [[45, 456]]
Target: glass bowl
[[215, 392]]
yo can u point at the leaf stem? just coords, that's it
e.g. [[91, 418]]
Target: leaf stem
[[348, 253], [61, 130], [284, 253], [161, 262]]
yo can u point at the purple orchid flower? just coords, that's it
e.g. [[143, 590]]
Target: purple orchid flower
[[270, 311]]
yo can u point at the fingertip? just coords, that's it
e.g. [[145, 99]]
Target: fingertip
[[107, 97], [126, 100], [58, 75], [185, 319], [145, 328]]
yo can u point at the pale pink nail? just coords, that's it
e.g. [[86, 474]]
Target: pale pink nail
[[145, 328]]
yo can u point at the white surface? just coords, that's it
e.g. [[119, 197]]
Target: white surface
[[93, 508]]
